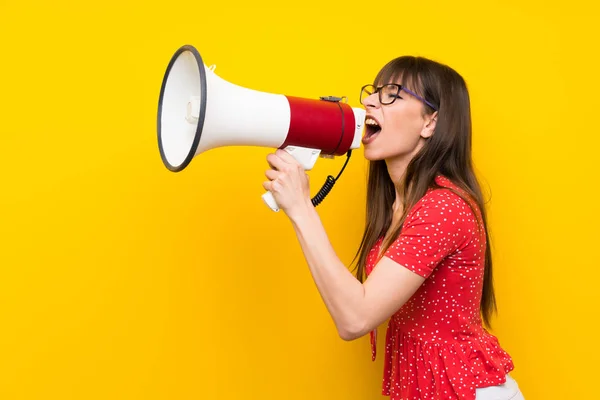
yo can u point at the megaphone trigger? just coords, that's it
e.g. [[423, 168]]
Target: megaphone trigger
[[305, 157]]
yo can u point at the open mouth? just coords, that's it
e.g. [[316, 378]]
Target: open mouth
[[372, 128]]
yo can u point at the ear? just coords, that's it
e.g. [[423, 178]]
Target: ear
[[429, 125]]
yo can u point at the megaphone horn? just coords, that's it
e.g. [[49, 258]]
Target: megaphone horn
[[199, 111]]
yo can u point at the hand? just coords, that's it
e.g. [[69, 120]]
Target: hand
[[288, 182]]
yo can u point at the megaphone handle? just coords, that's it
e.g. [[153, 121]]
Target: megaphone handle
[[270, 201], [306, 157]]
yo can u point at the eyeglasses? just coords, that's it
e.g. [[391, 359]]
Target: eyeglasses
[[389, 93]]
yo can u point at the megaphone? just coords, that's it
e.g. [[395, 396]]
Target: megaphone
[[199, 111]]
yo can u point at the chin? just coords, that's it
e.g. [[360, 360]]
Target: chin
[[372, 154]]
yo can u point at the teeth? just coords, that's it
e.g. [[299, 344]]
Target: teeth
[[371, 121]]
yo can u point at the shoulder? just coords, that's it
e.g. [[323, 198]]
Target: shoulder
[[446, 200], [441, 197], [445, 209]]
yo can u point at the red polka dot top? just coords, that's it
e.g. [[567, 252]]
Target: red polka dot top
[[436, 346]]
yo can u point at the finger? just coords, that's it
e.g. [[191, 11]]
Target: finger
[[285, 156], [275, 161], [272, 174], [272, 186], [289, 160], [270, 161]]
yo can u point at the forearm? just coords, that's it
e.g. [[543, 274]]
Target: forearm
[[342, 293]]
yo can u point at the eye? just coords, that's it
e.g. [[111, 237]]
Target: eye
[[391, 96]]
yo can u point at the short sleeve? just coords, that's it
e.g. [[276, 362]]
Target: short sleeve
[[438, 225]]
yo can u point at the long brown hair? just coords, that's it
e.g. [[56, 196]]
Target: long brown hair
[[447, 152]]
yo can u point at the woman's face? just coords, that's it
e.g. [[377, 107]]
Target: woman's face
[[396, 130]]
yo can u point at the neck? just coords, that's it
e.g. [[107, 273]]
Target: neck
[[396, 169]]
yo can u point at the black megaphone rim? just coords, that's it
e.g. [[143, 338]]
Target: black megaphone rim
[[201, 115]]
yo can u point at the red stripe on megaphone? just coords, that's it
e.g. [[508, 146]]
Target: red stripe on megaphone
[[319, 124]]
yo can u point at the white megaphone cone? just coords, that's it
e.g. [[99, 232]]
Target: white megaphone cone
[[199, 111]]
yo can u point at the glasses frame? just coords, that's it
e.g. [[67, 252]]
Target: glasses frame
[[399, 89]]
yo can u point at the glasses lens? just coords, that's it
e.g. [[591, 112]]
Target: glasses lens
[[365, 92], [389, 93]]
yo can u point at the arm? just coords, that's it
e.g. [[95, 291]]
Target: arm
[[433, 231], [355, 308]]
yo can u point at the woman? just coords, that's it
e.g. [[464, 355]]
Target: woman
[[424, 251]]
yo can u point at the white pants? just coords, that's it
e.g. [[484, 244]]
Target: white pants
[[507, 391]]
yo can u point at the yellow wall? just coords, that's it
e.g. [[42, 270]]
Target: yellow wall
[[121, 280]]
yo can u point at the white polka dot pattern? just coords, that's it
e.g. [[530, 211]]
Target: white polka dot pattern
[[436, 346]]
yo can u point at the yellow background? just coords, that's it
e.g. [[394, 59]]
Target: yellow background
[[122, 280]]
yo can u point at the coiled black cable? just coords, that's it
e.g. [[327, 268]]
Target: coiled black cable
[[329, 182]]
